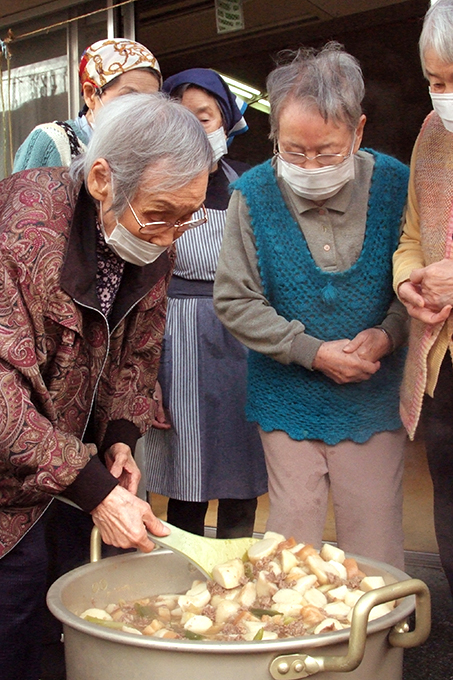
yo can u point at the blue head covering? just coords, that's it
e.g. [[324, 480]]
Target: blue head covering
[[232, 107]]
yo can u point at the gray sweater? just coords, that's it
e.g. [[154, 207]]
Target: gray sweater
[[334, 232]]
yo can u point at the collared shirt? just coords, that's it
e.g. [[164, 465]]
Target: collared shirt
[[109, 272], [335, 230]]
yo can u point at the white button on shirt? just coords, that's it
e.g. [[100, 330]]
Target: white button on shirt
[[334, 232]]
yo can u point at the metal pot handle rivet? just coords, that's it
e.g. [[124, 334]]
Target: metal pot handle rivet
[[298, 666], [283, 668], [301, 665]]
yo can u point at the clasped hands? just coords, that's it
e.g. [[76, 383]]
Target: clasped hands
[[346, 361], [428, 295]]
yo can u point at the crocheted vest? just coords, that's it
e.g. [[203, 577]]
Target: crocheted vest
[[434, 189], [332, 305]]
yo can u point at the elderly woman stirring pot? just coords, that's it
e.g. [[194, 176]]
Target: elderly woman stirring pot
[[86, 261], [423, 276], [305, 280]]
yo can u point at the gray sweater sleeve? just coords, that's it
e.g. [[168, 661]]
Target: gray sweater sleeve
[[240, 302], [396, 323], [242, 307]]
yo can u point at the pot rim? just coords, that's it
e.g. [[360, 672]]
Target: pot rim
[[55, 603]]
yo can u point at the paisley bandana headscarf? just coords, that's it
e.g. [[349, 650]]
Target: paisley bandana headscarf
[[107, 59]]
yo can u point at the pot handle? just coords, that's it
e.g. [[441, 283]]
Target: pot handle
[[95, 545], [293, 666]]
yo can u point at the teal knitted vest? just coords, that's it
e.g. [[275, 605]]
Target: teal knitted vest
[[332, 305]]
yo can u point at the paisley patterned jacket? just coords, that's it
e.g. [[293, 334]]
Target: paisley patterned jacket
[[62, 362]]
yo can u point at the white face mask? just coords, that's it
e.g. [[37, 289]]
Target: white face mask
[[130, 247], [443, 106], [218, 143], [317, 184], [92, 123]]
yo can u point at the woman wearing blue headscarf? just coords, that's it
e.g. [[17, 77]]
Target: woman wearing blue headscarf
[[205, 449]]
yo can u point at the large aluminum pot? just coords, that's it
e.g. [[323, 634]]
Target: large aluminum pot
[[366, 652]]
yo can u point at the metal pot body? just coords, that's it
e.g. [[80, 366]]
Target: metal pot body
[[97, 653]]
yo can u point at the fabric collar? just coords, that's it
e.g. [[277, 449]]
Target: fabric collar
[[78, 274]]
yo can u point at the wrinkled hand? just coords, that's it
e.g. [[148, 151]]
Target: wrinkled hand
[[161, 420], [343, 367], [370, 344], [435, 284], [123, 519], [121, 464], [411, 297]]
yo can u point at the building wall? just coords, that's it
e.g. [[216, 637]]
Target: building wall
[[386, 44], [384, 41]]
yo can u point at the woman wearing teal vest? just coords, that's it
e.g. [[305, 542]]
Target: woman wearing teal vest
[[305, 281]]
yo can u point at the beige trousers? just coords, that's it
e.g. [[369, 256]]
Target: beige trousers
[[365, 481]]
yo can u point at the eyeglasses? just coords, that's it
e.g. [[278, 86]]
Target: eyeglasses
[[322, 159], [150, 228]]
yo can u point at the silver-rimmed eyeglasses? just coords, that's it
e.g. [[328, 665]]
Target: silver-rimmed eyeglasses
[[151, 228], [322, 159]]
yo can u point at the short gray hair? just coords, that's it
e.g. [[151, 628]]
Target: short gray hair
[[329, 79], [437, 32], [146, 133]]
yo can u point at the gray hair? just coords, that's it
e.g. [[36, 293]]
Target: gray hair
[[146, 137], [329, 80], [437, 32]]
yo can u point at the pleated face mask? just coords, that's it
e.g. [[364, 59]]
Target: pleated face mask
[[131, 248], [443, 106], [218, 142], [316, 184]]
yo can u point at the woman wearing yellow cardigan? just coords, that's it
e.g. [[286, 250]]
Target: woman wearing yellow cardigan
[[423, 275]]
